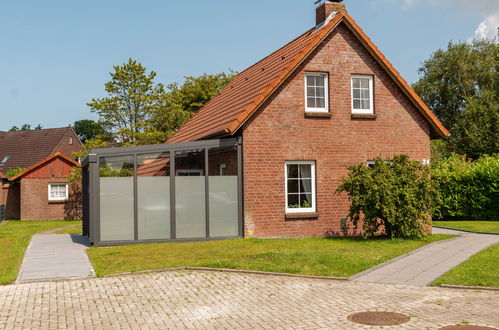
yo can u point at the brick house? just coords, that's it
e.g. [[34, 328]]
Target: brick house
[[265, 156], [40, 191], [325, 101]]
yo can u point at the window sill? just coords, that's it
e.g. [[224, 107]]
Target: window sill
[[304, 215], [58, 202], [311, 114], [371, 116]]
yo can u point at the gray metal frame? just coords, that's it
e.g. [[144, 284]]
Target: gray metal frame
[[91, 188]]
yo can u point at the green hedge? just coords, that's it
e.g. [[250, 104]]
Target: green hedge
[[467, 190]]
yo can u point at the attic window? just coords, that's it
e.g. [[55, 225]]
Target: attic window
[[5, 159], [316, 92], [70, 140], [362, 94]]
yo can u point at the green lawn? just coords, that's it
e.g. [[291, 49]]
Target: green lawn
[[479, 226], [14, 239], [311, 256], [482, 269], [75, 229]]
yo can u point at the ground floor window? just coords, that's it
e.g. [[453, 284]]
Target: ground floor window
[[58, 191], [300, 186]]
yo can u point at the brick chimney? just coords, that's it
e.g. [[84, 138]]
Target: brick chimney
[[325, 9]]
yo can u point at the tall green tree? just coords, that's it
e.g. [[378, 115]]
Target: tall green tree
[[461, 86], [133, 99], [87, 129]]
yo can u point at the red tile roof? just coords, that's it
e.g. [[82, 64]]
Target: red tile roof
[[230, 109], [25, 148], [44, 161]]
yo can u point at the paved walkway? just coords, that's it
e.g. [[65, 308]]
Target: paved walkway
[[213, 300], [423, 266], [50, 257]]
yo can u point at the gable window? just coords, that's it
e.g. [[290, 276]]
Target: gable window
[[316, 92], [300, 186], [362, 94], [58, 191]]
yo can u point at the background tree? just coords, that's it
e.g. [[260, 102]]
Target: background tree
[[185, 100], [24, 127], [87, 129], [138, 111], [133, 99], [461, 85]]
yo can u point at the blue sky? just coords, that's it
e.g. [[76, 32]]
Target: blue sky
[[57, 54]]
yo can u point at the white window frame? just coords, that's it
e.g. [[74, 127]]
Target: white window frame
[[325, 76], [371, 94], [189, 170], [58, 198], [371, 163], [312, 173]]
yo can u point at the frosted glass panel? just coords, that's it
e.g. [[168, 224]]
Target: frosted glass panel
[[116, 208], [223, 206], [190, 206], [153, 196], [153, 199]]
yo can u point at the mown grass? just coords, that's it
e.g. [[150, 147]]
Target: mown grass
[[478, 226], [15, 236], [75, 229], [482, 269], [311, 256]]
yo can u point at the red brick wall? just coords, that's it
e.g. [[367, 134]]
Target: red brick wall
[[279, 131], [34, 194]]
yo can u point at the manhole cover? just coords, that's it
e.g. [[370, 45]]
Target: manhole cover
[[466, 327], [378, 318]]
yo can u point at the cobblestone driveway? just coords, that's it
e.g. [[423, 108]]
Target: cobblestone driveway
[[185, 299]]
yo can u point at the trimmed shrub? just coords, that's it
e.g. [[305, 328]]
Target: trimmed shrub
[[467, 190], [396, 196]]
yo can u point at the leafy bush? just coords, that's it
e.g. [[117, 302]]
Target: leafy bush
[[396, 195], [468, 190], [14, 171]]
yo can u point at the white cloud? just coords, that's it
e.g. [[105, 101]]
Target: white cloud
[[488, 28], [488, 10]]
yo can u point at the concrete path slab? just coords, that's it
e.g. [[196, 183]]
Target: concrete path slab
[[53, 257], [423, 266]]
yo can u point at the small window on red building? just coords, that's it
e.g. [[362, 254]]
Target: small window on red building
[[58, 191]]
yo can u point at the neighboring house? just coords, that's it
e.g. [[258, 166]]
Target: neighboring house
[[46, 157], [323, 102]]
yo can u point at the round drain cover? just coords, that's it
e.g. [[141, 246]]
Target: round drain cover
[[378, 318], [466, 327]]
